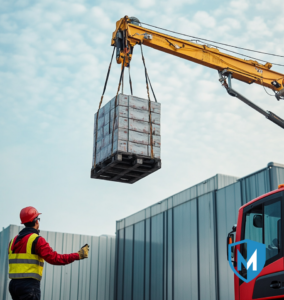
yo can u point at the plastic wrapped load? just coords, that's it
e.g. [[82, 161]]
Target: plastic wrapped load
[[125, 128]]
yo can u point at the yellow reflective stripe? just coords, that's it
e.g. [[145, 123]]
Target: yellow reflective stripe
[[24, 275], [26, 261], [24, 256], [10, 247], [25, 268], [30, 243]]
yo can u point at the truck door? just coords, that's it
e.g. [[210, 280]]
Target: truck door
[[263, 223]]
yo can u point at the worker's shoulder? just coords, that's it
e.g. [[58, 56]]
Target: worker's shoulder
[[41, 240]]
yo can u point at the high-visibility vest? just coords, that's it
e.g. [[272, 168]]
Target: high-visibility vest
[[25, 265]]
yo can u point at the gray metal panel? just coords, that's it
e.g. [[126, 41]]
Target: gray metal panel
[[128, 263], [75, 270], [91, 278], [120, 255], [228, 202], [157, 260], [209, 185], [184, 196], [206, 232], [57, 272], [4, 242], [139, 253], [94, 264], [169, 269], [277, 176], [255, 185], [225, 180], [103, 255], [185, 251], [112, 269], [147, 258]]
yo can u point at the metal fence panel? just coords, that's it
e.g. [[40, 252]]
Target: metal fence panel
[[94, 267], [277, 175], [81, 280], [169, 265], [66, 273], [147, 258], [102, 267], [207, 265], [228, 202], [128, 263], [139, 252], [255, 185], [120, 256], [185, 251], [112, 269], [157, 259]]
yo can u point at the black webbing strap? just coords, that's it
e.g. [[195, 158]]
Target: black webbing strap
[[115, 103], [152, 89], [106, 81], [149, 103]]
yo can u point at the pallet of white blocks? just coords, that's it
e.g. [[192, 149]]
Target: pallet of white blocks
[[122, 150]]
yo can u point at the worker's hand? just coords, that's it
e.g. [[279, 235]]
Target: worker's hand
[[84, 252]]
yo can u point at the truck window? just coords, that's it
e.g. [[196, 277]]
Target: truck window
[[272, 229], [252, 232], [263, 225]]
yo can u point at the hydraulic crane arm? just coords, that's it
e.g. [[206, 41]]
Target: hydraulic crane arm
[[129, 33]]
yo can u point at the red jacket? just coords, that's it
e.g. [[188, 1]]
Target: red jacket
[[41, 248]]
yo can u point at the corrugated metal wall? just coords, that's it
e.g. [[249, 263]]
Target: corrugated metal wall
[[176, 249], [92, 278]]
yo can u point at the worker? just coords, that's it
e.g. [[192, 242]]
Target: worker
[[27, 253]]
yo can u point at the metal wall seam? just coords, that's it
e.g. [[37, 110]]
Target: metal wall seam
[[207, 254], [198, 257], [216, 243], [228, 201], [173, 256], [169, 272], [116, 264]]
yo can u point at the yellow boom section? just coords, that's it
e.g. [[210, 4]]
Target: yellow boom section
[[248, 71]]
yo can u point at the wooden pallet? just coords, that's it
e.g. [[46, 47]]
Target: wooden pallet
[[125, 167]]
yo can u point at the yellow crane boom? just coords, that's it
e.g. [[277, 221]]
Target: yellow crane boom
[[129, 33]]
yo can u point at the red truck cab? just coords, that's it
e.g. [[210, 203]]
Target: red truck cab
[[262, 220]]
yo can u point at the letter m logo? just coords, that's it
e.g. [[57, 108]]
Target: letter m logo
[[247, 269], [252, 261]]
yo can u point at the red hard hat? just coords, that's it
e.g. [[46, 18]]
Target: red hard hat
[[28, 214]]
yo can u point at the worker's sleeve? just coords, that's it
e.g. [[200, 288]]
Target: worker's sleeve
[[43, 249]]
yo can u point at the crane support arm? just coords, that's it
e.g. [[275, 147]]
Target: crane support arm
[[128, 33]]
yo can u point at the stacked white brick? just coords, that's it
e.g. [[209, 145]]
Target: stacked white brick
[[131, 128]]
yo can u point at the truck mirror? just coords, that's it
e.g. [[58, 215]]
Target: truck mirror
[[230, 240], [257, 221]]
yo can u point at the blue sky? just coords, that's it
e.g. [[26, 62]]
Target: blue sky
[[54, 57]]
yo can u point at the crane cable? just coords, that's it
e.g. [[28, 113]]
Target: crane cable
[[201, 39], [96, 128]]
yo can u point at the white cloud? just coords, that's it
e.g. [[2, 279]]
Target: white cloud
[[204, 19]]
